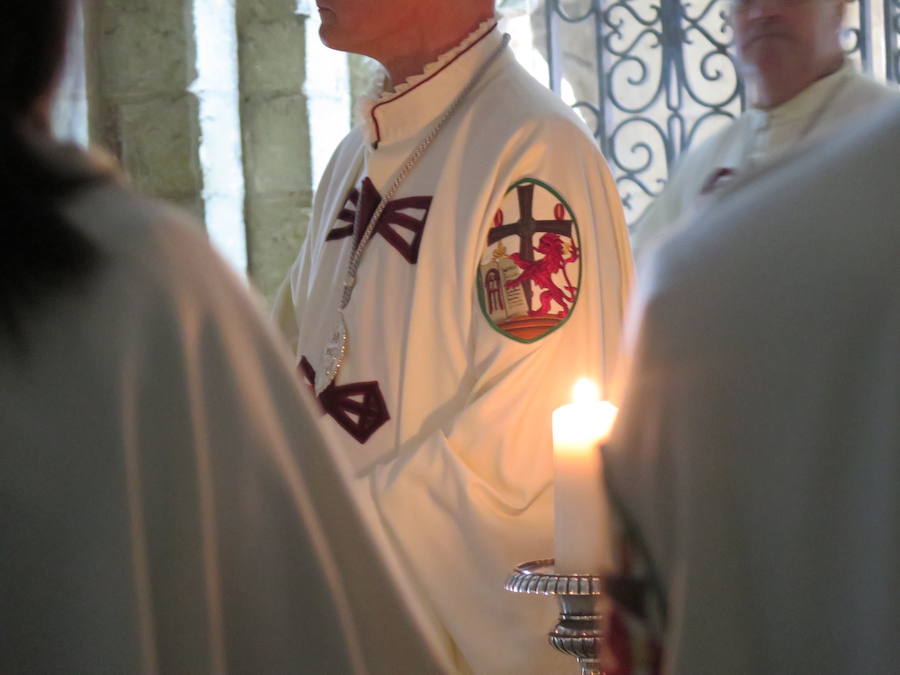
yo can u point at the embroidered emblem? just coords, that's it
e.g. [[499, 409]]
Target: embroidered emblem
[[530, 268], [401, 224], [358, 408]]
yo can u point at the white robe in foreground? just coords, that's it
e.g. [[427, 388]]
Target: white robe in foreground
[[756, 138], [454, 451], [757, 452], [166, 501]]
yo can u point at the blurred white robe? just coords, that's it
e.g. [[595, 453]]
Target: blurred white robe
[[166, 500], [757, 452], [756, 138]]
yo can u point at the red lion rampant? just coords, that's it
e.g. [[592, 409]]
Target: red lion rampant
[[541, 273]]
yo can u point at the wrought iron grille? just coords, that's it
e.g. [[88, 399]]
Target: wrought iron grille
[[892, 38], [652, 77]]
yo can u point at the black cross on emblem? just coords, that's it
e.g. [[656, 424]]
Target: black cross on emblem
[[526, 227]]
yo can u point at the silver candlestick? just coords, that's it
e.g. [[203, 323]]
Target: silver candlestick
[[578, 631]]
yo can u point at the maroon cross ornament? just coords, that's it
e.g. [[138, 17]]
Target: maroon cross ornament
[[716, 179], [526, 227], [358, 408], [361, 204]]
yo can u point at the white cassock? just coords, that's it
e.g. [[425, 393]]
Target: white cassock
[[757, 452], [166, 501], [756, 138], [496, 277]]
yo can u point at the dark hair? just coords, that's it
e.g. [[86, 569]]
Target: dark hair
[[40, 253]]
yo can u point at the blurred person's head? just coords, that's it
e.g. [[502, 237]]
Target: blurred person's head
[[785, 45], [32, 46], [402, 35], [40, 254]]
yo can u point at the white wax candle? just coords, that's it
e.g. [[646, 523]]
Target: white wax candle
[[582, 512]]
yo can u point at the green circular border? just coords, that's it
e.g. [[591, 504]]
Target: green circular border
[[562, 323]]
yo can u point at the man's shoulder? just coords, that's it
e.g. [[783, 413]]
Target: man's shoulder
[[349, 147], [865, 89], [152, 248], [342, 160], [856, 94], [514, 101], [128, 224], [862, 94]]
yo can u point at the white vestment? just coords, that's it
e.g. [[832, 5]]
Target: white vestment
[[443, 405], [166, 502], [757, 452], [756, 138]]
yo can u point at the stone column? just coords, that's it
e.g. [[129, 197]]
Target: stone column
[[140, 63], [275, 134]]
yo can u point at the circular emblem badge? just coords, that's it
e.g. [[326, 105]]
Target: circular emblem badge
[[530, 268]]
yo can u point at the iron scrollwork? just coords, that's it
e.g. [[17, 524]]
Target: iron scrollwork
[[657, 76], [892, 38], [664, 76]]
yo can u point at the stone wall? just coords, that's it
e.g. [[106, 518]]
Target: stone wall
[[275, 132], [140, 62], [140, 65]]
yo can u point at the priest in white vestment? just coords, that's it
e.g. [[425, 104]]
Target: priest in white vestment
[[802, 88], [756, 458], [495, 277], [167, 504]]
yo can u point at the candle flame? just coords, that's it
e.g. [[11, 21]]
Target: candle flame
[[585, 391]]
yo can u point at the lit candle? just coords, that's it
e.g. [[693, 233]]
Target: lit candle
[[582, 512]]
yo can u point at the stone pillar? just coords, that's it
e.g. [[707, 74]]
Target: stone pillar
[[140, 64], [275, 134]]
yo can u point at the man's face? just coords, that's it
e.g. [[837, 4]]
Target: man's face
[[775, 37], [364, 26]]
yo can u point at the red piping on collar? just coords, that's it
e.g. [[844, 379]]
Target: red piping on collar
[[419, 84]]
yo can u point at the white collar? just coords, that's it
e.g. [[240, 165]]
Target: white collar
[[420, 99], [806, 103]]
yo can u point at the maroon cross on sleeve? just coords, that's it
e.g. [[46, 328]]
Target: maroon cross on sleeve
[[716, 179], [402, 223], [358, 408], [345, 215]]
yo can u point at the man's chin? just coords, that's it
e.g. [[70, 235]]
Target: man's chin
[[766, 53], [331, 35]]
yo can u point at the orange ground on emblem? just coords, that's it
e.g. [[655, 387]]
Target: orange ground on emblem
[[530, 327]]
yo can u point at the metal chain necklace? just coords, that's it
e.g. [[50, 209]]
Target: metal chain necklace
[[336, 349]]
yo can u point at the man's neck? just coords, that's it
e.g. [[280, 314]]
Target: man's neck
[[425, 48], [773, 91]]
